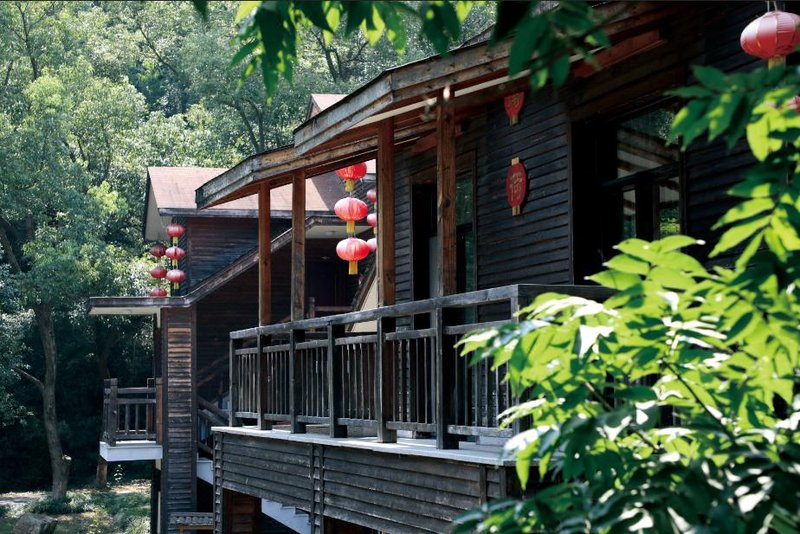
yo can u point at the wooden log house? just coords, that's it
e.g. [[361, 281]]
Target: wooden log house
[[168, 421], [369, 421]]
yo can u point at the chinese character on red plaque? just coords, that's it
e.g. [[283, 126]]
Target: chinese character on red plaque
[[513, 104], [516, 186]]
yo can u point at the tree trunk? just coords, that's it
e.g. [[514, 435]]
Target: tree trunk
[[59, 462], [101, 475]]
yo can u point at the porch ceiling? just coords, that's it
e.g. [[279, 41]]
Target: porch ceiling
[[346, 132]]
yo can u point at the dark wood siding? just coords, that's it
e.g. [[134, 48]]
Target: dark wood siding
[[179, 447], [388, 492], [214, 243]]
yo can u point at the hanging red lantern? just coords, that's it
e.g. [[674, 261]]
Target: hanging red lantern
[[372, 195], [372, 243], [351, 174], [158, 250], [350, 209], [516, 185], [176, 276], [158, 272], [772, 36], [175, 230], [158, 292], [372, 220], [175, 253], [513, 105], [352, 250]]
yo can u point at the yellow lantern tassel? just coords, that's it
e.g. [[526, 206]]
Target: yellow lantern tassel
[[351, 227], [375, 230], [353, 268], [349, 185]]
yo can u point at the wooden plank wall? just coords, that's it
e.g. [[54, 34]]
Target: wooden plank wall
[[387, 492], [178, 475]]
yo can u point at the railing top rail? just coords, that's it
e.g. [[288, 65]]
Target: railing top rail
[[461, 300]]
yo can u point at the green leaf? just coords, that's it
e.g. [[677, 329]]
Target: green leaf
[[628, 264], [736, 234], [711, 78], [246, 9], [615, 279], [559, 70], [745, 210]]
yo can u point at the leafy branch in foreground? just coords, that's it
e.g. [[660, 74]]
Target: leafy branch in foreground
[[672, 406]]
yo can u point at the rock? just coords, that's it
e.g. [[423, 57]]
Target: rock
[[35, 524]]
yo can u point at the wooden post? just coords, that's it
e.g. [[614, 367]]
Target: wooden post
[[233, 368], [335, 382], [298, 246], [446, 192], [113, 412], [445, 360], [261, 359], [295, 391], [159, 422], [385, 183], [150, 410], [383, 380], [264, 257]]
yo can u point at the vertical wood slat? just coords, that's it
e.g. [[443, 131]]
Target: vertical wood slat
[[234, 384], [295, 381], [386, 214], [335, 378], [264, 372], [383, 385], [113, 412], [445, 356]]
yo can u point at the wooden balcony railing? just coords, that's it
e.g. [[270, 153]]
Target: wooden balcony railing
[[131, 413], [404, 376]]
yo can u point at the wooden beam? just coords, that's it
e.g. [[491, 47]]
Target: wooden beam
[[446, 192], [386, 188], [298, 246], [264, 257]]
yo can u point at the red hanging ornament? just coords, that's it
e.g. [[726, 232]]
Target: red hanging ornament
[[372, 243], [372, 195], [372, 220], [352, 250], [513, 105], [351, 174], [176, 276], [175, 253], [175, 230], [158, 250], [772, 36], [350, 209], [158, 292], [516, 186], [158, 272]]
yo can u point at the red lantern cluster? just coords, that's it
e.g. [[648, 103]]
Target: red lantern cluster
[[350, 210], [174, 254], [351, 174], [772, 36]]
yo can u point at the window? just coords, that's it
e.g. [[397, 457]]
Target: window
[[627, 183]]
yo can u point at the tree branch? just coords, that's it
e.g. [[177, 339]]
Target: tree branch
[[30, 378], [9, 250]]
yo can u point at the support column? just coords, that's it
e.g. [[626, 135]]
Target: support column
[[298, 246], [385, 187], [446, 192], [264, 257]]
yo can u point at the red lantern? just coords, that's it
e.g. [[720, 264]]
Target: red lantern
[[772, 36], [372, 243], [513, 105], [351, 210], [372, 195], [352, 250], [372, 220], [158, 272], [158, 292], [175, 230], [176, 276], [516, 185], [175, 253], [351, 174], [158, 250]]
